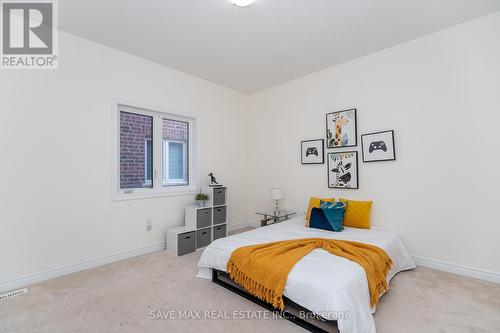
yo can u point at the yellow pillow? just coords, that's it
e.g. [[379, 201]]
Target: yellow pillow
[[357, 214], [314, 203]]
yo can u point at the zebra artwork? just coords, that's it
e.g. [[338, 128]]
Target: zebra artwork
[[343, 170]]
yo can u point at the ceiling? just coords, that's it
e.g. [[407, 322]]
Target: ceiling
[[272, 41]]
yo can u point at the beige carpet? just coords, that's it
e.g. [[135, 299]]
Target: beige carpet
[[120, 297]]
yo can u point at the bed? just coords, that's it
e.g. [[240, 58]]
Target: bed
[[329, 286]]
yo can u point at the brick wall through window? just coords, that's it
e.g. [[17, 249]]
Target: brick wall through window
[[136, 130]]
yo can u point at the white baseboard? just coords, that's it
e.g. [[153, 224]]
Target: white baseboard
[[68, 269], [476, 273], [63, 270]]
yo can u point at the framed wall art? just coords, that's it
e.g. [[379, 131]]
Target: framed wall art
[[343, 170], [341, 129], [378, 146], [312, 151]]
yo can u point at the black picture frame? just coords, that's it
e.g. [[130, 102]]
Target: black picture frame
[[392, 147], [328, 171], [322, 145], [328, 139]]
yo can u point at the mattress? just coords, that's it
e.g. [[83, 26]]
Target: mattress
[[330, 286]]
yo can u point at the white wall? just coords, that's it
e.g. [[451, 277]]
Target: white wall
[[56, 153], [441, 95]]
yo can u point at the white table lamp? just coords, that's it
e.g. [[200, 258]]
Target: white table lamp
[[276, 195]]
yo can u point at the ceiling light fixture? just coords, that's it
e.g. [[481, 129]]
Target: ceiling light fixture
[[242, 3]]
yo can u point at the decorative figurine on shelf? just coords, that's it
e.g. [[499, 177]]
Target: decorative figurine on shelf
[[213, 181]]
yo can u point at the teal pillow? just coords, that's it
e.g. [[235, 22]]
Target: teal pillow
[[326, 204], [330, 216]]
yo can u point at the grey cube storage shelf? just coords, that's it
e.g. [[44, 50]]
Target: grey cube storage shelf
[[203, 225]]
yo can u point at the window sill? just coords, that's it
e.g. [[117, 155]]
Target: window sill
[[175, 184], [141, 195]]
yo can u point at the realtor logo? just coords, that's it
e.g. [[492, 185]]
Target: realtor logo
[[29, 35]]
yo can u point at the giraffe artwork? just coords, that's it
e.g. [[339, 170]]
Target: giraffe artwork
[[339, 121], [341, 129]]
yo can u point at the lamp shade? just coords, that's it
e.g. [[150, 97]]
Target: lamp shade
[[276, 193], [242, 3]]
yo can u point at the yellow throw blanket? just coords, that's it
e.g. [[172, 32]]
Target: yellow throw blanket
[[263, 269]]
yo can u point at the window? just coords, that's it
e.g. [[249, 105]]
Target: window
[[135, 129], [151, 141], [175, 166], [149, 162], [175, 152]]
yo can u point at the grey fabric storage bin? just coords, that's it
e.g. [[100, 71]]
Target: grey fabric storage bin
[[203, 237], [204, 218], [219, 198], [219, 215], [219, 231], [186, 243]]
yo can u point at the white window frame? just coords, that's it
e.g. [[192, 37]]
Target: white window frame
[[158, 189], [146, 181], [175, 182]]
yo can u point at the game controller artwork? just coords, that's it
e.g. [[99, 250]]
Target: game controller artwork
[[378, 146], [312, 152]]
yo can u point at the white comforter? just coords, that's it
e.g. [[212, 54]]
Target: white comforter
[[321, 282]]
